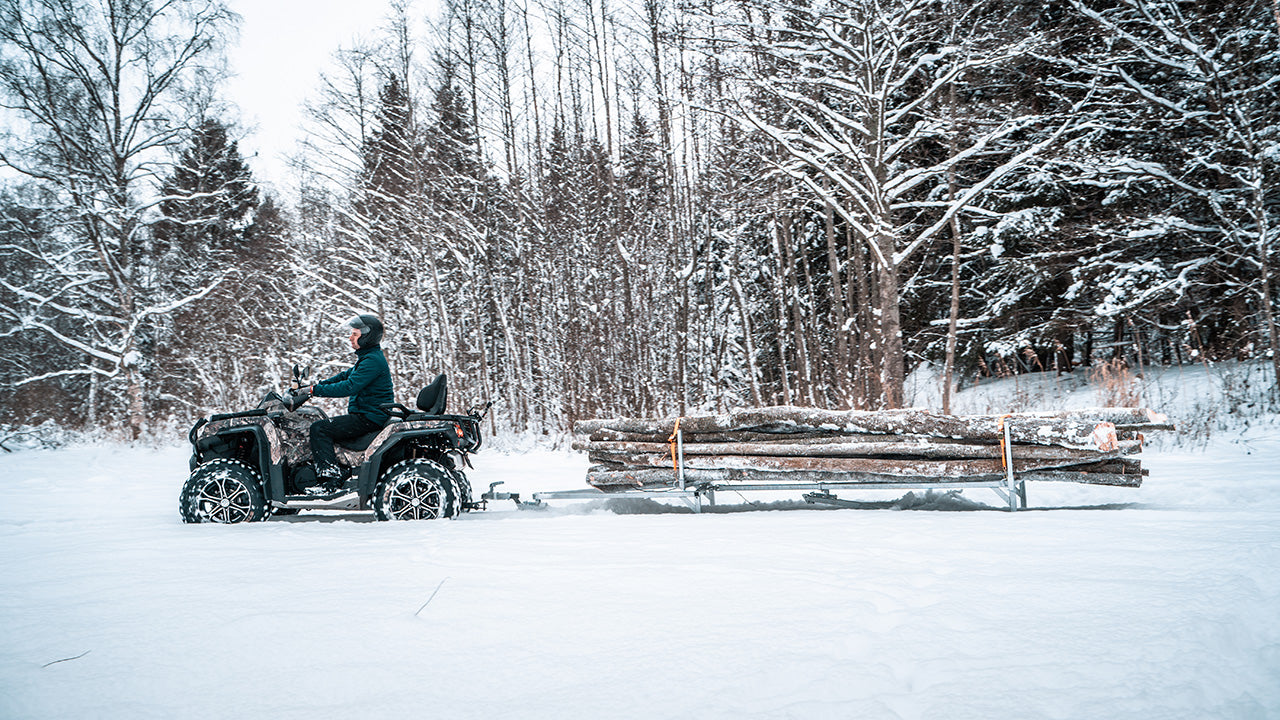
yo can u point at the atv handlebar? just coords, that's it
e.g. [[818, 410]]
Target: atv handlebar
[[295, 398]]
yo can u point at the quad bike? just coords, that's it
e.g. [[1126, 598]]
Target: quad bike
[[246, 466]]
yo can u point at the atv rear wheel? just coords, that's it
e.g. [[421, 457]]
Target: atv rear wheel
[[415, 490], [462, 491], [222, 491]]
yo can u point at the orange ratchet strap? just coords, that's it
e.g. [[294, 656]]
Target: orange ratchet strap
[[671, 441], [1004, 464]]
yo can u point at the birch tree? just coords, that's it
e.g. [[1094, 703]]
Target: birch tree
[[95, 91], [861, 85]]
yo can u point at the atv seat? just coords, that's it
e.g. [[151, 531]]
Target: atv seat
[[359, 443]]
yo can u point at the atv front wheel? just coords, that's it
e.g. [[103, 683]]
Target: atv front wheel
[[414, 490], [222, 491]]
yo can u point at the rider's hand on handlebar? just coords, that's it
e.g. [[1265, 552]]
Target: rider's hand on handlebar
[[294, 399]]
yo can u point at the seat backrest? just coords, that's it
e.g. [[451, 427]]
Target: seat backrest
[[432, 398]]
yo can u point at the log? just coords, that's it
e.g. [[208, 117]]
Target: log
[[941, 469], [727, 478], [841, 447], [656, 479], [611, 435], [1087, 478], [755, 436], [1071, 428]]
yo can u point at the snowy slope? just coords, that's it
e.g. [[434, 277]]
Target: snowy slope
[[1158, 602]]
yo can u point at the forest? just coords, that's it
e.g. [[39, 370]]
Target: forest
[[599, 208]]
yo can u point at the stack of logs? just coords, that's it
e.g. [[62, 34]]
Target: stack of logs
[[780, 445]]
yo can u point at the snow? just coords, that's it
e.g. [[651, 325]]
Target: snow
[[1157, 602]]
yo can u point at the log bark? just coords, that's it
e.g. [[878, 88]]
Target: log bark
[[610, 435], [846, 448], [656, 479], [815, 437], [1087, 478], [1069, 428], [951, 468]]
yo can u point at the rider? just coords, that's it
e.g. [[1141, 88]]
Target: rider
[[368, 384]]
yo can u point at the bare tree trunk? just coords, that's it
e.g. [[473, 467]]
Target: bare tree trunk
[[809, 326], [472, 63], [535, 153], [500, 40], [860, 276], [749, 348], [422, 331], [890, 324], [599, 42], [840, 371], [137, 414], [682, 351], [781, 299], [91, 409], [953, 318], [804, 380], [446, 330]]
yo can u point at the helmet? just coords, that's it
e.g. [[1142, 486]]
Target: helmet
[[370, 328]]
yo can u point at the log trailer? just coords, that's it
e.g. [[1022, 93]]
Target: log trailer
[[819, 453]]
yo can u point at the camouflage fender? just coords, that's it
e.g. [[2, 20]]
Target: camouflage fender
[[267, 428], [370, 458]]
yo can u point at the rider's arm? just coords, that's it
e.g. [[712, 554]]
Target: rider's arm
[[330, 381], [348, 382]]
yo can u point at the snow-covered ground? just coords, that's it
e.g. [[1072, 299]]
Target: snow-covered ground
[[1157, 602]]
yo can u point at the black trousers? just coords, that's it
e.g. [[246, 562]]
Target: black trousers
[[325, 432]]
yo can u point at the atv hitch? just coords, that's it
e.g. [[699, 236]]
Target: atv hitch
[[514, 497], [495, 495]]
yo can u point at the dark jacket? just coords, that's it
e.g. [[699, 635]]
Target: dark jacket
[[367, 383]]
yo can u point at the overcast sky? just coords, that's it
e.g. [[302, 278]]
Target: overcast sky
[[284, 45]]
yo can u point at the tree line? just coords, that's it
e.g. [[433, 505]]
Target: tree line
[[585, 208]]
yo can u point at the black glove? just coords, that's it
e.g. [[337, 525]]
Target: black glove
[[294, 398]]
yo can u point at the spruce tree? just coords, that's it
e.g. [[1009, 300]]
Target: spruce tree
[[208, 200], [216, 227]]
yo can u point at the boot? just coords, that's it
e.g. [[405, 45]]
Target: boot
[[331, 478]]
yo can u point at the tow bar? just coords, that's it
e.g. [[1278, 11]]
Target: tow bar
[[514, 497]]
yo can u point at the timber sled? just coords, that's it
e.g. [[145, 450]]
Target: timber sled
[[796, 448]]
